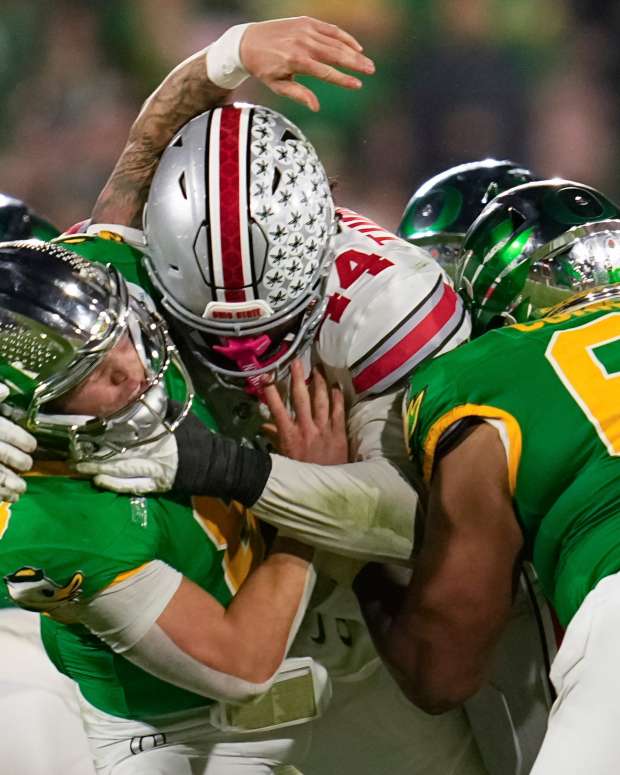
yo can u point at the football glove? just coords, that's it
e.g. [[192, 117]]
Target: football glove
[[16, 445], [147, 468]]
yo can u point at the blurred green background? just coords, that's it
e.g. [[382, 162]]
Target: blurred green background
[[457, 80]]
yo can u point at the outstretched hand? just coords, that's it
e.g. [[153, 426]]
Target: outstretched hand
[[275, 51], [316, 432]]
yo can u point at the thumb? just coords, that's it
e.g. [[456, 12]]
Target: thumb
[[136, 486]]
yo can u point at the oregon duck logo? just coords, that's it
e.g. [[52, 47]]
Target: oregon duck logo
[[30, 588]]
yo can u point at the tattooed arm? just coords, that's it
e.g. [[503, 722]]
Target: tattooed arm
[[185, 92], [273, 52]]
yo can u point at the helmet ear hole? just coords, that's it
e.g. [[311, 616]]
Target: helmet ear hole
[[277, 176]]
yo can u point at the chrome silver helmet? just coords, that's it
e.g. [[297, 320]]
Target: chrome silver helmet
[[239, 225], [59, 317]]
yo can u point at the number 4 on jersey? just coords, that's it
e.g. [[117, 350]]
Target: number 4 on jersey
[[351, 265]]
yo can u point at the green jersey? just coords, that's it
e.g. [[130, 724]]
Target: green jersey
[[76, 541], [71, 541], [109, 247], [553, 389]]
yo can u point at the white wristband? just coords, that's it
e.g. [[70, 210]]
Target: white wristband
[[224, 66]]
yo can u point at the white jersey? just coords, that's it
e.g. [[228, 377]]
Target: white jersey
[[390, 307]]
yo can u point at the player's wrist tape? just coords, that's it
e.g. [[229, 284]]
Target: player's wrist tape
[[211, 464], [224, 66]]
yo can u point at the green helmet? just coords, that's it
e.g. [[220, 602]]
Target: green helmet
[[442, 209], [17, 221], [534, 246]]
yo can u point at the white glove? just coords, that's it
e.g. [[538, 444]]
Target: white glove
[[140, 470], [15, 444]]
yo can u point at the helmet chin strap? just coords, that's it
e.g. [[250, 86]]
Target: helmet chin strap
[[245, 352]]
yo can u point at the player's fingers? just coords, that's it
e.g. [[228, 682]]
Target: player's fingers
[[334, 31], [325, 50], [278, 410], [327, 73], [320, 399], [129, 469], [137, 486], [11, 485], [14, 458], [16, 436], [296, 92], [300, 395], [338, 418]]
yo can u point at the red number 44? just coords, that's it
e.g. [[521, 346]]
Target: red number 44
[[351, 265]]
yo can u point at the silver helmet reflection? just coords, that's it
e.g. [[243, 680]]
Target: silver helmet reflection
[[60, 315], [239, 225]]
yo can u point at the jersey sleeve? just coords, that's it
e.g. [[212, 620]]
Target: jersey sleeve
[[390, 307], [123, 612]]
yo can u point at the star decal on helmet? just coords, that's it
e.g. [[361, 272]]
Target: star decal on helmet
[[260, 148], [260, 167], [278, 256], [262, 117], [278, 233], [274, 278], [293, 267], [312, 246], [295, 242], [296, 287], [262, 131], [310, 268], [277, 298], [264, 213]]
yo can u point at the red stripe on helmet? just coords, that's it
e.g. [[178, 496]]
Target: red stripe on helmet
[[426, 330], [230, 227]]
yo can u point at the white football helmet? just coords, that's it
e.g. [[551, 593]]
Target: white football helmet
[[239, 226]]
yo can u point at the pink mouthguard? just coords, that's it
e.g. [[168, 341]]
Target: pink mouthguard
[[246, 352]]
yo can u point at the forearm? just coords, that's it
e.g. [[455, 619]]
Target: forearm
[[266, 612], [184, 93], [380, 591], [248, 640], [364, 510]]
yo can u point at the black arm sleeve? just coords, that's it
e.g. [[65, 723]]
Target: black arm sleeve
[[211, 464]]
